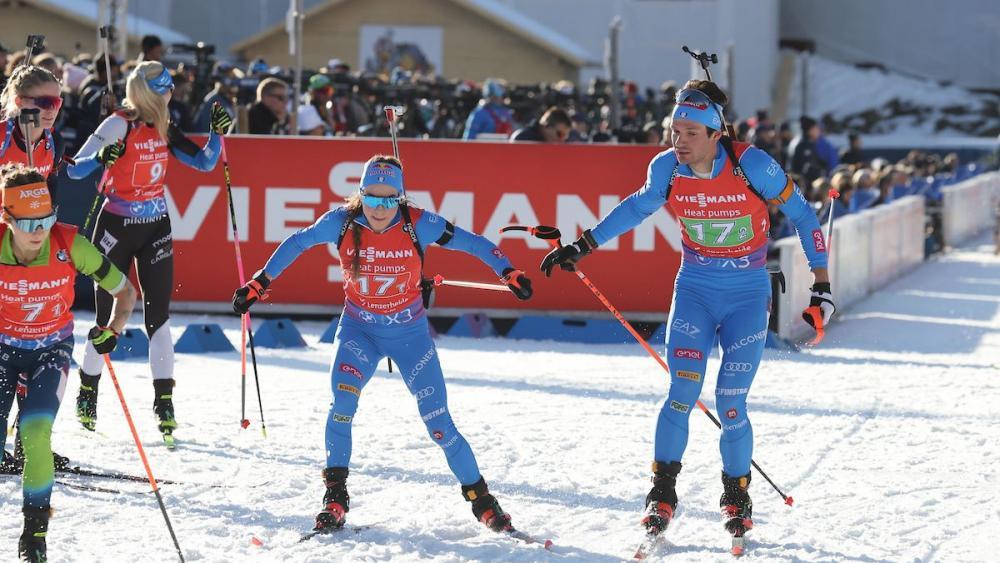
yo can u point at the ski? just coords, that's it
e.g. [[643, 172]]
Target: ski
[[529, 539], [649, 545], [332, 531], [77, 470], [92, 488]]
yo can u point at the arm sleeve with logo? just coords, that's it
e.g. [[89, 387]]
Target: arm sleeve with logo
[[186, 151], [771, 181], [110, 131], [326, 229], [90, 262], [431, 226], [644, 202]]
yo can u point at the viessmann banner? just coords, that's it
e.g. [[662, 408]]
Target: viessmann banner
[[282, 185]]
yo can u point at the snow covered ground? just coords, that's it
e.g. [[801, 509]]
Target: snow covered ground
[[886, 436]]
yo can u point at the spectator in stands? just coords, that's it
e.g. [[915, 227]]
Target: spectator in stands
[[318, 109], [803, 156], [852, 154], [885, 185], [865, 189], [742, 131], [226, 88], [269, 114], [632, 104], [491, 116], [152, 48], [581, 128], [90, 110], [337, 66], [179, 105], [765, 138], [652, 134], [49, 62], [553, 127]]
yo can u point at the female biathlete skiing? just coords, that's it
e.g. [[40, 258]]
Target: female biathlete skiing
[[381, 241], [32, 88], [719, 191], [134, 145], [39, 259]]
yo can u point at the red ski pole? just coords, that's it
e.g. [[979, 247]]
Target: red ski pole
[[552, 235]]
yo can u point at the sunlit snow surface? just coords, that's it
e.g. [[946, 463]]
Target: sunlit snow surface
[[887, 437]]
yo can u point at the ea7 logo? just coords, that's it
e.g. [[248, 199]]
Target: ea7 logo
[[687, 353], [354, 347], [682, 326]]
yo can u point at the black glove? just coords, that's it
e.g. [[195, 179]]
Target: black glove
[[252, 291], [103, 338], [110, 153], [221, 122], [518, 283], [567, 256], [820, 305]]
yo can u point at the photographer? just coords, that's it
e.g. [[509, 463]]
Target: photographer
[[226, 88], [491, 116]]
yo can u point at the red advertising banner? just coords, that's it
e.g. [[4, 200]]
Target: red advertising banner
[[283, 184]]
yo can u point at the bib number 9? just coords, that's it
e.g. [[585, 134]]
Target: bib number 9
[[149, 173]]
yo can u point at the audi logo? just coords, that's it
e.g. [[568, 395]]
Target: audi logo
[[737, 366]]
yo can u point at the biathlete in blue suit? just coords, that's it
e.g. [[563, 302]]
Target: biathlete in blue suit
[[719, 191], [381, 241]]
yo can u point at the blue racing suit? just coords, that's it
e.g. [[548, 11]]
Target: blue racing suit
[[725, 295], [363, 338]]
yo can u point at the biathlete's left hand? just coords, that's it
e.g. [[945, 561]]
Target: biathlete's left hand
[[104, 339], [251, 292], [821, 307], [518, 283], [221, 122]]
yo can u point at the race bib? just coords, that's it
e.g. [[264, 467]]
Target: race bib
[[718, 233]]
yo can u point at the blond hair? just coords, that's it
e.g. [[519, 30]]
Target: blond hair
[[143, 104], [23, 79]]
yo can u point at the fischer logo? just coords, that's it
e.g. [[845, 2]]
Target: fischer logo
[[687, 353], [703, 200], [23, 287], [818, 241]]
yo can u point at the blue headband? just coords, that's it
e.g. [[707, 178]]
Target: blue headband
[[696, 106], [162, 83], [382, 173]]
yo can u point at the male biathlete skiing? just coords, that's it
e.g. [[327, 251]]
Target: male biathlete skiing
[[134, 144], [718, 190], [39, 259], [381, 240]]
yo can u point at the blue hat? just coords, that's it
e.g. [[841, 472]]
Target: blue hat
[[697, 106], [493, 89], [161, 83], [382, 173]]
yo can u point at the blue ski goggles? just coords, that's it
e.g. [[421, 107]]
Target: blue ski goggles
[[697, 106], [388, 202], [161, 83], [36, 223]]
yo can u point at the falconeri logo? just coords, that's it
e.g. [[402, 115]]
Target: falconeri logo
[[703, 200]]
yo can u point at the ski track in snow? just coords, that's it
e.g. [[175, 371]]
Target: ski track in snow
[[885, 435]]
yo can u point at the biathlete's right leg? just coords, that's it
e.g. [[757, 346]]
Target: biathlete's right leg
[[353, 365], [690, 335], [110, 237], [8, 388]]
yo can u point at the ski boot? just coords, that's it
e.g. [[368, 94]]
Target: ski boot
[[86, 400], [31, 546], [737, 509], [485, 507], [9, 464], [163, 406], [336, 500], [662, 498]]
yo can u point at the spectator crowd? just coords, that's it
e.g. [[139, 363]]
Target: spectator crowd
[[338, 102]]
